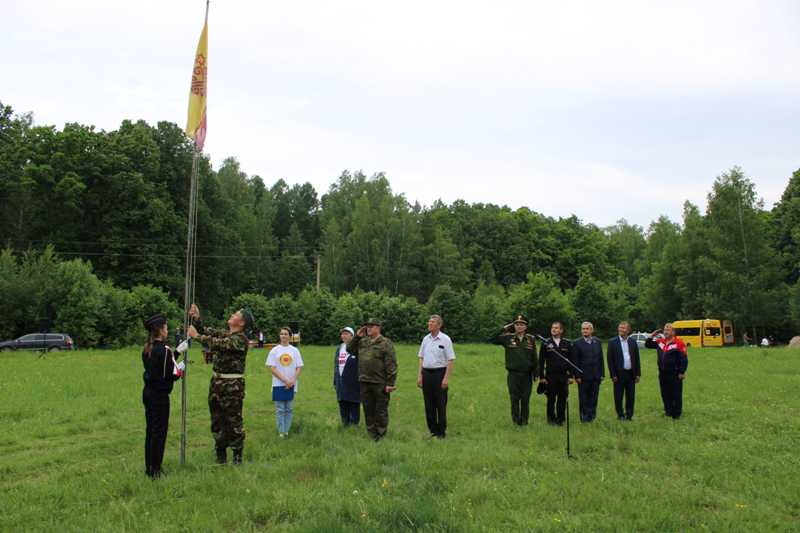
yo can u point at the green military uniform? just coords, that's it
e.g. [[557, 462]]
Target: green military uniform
[[522, 366], [377, 369], [226, 391]]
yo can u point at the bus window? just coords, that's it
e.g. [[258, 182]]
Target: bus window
[[687, 332]]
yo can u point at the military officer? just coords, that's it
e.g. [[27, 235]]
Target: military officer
[[226, 390], [521, 364], [377, 373]]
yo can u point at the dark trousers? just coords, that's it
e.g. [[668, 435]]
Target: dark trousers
[[520, 386], [671, 393], [625, 386], [375, 400], [435, 400], [557, 390], [588, 391], [350, 411], [156, 414]]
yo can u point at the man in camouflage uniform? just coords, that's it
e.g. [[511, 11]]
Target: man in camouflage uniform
[[377, 372], [226, 391], [521, 364]]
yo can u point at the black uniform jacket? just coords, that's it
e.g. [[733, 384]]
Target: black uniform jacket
[[555, 365], [158, 368]]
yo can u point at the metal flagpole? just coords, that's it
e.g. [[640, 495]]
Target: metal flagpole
[[188, 292], [191, 267]]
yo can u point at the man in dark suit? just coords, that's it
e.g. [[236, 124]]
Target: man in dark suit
[[624, 369], [588, 356]]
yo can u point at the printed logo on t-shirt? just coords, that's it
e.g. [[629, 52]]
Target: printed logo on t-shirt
[[285, 359], [343, 358]]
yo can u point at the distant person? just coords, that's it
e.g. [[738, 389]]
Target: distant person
[[177, 336], [587, 353], [436, 357], [160, 372], [672, 363], [250, 335], [556, 373], [624, 369], [765, 342], [345, 381], [226, 390], [377, 373], [285, 363], [521, 364], [746, 338], [260, 339]]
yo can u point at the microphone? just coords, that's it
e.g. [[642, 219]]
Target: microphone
[[547, 342]]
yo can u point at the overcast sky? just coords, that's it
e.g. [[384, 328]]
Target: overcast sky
[[605, 109]]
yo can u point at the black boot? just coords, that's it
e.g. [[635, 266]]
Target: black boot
[[222, 456], [237, 457]]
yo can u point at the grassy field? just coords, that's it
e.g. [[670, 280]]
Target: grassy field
[[71, 453]]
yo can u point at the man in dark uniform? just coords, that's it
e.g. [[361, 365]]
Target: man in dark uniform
[[521, 364], [226, 391], [588, 356], [377, 373], [556, 373]]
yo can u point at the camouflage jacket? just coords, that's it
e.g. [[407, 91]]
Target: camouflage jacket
[[520, 355], [377, 362], [230, 348]]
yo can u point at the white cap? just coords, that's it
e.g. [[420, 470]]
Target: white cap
[[348, 328]]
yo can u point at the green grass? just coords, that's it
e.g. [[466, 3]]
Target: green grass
[[73, 429]]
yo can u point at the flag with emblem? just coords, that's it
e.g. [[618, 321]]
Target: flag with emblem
[[196, 126]]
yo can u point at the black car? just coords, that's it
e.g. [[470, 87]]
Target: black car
[[52, 342]]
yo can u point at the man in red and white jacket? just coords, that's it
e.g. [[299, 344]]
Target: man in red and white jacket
[[672, 364]]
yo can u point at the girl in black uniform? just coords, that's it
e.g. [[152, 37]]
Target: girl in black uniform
[[160, 372]]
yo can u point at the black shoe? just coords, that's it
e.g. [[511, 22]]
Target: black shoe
[[237, 457], [620, 418], [222, 457], [440, 436]]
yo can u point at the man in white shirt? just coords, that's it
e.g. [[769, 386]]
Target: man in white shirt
[[436, 358], [625, 370]]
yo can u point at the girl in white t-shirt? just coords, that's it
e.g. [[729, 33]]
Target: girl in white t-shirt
[[285, 363]]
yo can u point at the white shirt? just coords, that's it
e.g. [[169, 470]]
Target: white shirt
[[343, 355], [557, 341], [626, 355], [285, 359], [435, 352]]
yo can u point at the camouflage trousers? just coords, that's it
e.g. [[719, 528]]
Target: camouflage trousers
[[375, 400], [225, 399]]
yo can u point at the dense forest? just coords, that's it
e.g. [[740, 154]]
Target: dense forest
[[94, 230]]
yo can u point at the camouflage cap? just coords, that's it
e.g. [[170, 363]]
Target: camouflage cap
[[373, 322], [247, 314]]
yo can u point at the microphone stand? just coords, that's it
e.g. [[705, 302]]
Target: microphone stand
[[549, 347]]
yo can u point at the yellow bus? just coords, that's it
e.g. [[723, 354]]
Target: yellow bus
[[707, 332]]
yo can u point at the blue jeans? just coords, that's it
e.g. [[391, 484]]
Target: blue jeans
[[283, 415]]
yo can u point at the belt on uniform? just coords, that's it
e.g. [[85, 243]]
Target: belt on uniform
[[228, 376], [437, 369]]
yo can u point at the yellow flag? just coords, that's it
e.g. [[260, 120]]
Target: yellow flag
[[196, 127]]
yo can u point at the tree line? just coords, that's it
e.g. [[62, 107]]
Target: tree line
[[91, 215]]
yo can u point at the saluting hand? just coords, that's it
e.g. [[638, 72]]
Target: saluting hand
[[361, 332]]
